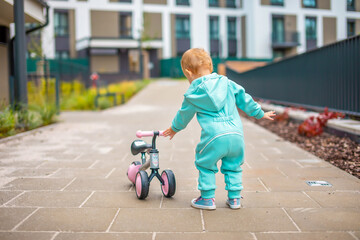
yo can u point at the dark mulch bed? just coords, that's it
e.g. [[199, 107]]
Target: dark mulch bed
[[341, 152]]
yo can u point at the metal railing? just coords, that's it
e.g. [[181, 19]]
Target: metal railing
[[324, 77]]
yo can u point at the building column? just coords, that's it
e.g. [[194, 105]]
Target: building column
[[223, 36], [166, 35], [20, 79]]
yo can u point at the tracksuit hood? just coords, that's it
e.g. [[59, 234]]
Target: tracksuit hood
[[208, 92]]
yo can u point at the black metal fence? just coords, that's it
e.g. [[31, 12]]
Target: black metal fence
[[325, 77]]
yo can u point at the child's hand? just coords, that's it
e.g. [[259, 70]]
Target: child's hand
[[269, 115], [169, 132]]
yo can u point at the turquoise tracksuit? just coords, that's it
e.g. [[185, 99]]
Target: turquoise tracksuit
[[214, 99]]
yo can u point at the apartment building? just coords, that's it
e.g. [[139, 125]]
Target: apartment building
[[109, 32], [34, 13]]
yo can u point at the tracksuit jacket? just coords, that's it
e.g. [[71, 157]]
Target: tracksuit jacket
[[214, 98]]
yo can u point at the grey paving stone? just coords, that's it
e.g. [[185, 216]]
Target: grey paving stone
[[92, 184], [104, 236], [81, 173], [8, 195], [31, 172], [37, 184], [50, 199], [67, 164], [308, 236], [326, 219], [122, 200], [332, 199], [157, 220], [315, 172], [277, 200], [205, 236], [10, 217], [70, 219], [25, 236], [282, 183], [247, 219]]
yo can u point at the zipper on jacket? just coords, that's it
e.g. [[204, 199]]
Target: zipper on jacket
[[223, 134]]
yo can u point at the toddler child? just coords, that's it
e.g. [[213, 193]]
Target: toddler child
[[214, 98]]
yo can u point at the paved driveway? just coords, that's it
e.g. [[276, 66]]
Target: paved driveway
[[68, 181]]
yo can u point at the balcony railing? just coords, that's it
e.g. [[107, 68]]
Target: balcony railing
[[285, 40]]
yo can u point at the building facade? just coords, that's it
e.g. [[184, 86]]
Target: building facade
[[34, 13], [109, 32]]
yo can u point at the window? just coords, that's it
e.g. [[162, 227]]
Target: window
[[213, 3], [182, 27], [350, 5], [310, 3], [350, 27], [125, 25], [61, 24], [36, 33], [214, 27], [124, 1], [62, 54], [182, 2], [277, 2], [231, 28], [310, 24], [230, 4], [278, 29], [310, 30]]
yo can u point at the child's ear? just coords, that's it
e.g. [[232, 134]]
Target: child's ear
[[188, 72]]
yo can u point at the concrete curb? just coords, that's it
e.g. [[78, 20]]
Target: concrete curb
[[342, 127]]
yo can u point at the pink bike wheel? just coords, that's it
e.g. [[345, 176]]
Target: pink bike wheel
[[169, 186]]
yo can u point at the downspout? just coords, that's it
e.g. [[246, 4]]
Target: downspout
[[11, 58]]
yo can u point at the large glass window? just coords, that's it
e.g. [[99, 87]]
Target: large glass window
[[278, 29], [310, 3], [310, 24], [183, 2], [61, 24], [350, 5], [214, 27], [350, 27], [231, 28], [311, 35], [277, 2], [125, 25], [213, 3], [182, 27]]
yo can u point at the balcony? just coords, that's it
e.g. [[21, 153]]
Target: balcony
[[285, 40]]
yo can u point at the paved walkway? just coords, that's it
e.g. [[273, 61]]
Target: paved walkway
[[69, 182]]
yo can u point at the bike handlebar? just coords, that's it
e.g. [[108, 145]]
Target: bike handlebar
[[141, 134]]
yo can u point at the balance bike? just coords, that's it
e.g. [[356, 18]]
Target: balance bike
[[136, 171]]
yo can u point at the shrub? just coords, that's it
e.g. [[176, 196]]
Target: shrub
[[7, 122], [313, 126]]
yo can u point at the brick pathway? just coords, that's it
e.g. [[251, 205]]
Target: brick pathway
[[69, 182]]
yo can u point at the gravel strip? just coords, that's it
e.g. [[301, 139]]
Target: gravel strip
[[341, 152]]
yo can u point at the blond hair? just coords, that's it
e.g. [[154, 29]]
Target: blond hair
[[196, 58]]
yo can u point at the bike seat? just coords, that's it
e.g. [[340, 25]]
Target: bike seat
[[139, 146]]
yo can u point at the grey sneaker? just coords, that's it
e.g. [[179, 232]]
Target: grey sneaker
[[202, 203], [234, 203]]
